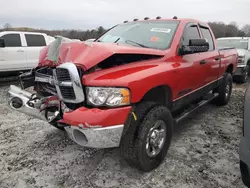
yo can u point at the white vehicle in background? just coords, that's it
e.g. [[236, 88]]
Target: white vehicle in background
[[90, 40], [65, 38], [242, 45], [19, 51]]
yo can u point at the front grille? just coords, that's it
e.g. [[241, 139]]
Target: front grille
[[67, 92], [62, 74], [69, 84]]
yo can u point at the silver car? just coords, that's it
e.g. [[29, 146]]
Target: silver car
[[245, 142]]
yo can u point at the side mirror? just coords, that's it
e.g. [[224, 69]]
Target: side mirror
[[2, 43], [195, 46]]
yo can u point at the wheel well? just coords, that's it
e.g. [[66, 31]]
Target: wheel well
[[159, 94], [230, 69]]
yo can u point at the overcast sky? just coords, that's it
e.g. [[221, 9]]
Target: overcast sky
[[85, 14]]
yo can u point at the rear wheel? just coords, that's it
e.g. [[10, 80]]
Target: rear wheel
[[146, 142], [224, 90]]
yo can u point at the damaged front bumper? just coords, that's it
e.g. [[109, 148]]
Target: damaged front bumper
[[95, 128], [107, 137]]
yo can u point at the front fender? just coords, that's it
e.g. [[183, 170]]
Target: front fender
[[139, 78]]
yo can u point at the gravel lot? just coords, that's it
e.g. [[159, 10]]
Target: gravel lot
[[204, 153]]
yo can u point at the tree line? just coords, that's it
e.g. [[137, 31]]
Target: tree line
[[220, 29]]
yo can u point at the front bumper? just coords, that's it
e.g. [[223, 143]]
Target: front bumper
[[241, 70], [245, 151], [96, 128], [107, 137]]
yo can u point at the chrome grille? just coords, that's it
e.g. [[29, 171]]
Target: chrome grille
[[68, 83], [67, 92], [62, 74]]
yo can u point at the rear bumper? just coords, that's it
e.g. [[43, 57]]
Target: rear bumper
[[245, 151], [96, 128], [241, 70]]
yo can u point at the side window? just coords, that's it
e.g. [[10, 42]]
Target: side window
[[190, 33], [12, 40], [207, 35], [35, 40]]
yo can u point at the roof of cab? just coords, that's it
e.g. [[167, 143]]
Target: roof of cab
[[24, 32], [182, 20]]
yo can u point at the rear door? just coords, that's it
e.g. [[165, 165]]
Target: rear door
[[211, 57], [12, 56], [35, 42]]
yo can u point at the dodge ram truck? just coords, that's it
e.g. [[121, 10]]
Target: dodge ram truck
[[129, 87]]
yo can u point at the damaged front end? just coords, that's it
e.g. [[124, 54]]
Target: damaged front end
[[51, 86], [59, 95]]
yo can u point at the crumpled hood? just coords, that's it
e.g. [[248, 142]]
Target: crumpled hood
[[86, 54], [241, 52]]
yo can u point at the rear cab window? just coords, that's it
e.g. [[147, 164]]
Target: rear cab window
[[35, 40], [12, 40]]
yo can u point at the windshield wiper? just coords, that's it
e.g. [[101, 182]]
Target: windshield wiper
[[141, 45]]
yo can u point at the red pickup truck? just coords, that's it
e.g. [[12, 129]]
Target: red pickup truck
[[130, 86]]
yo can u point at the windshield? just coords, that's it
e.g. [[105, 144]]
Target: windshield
[[147, 34], [235, 43]]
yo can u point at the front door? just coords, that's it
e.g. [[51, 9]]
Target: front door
[[193, 72], [12, 56]]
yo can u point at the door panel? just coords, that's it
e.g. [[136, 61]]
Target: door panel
[[212, 57], [12, 56], [192, 71]]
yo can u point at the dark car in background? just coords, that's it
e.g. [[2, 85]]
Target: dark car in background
[[245, 142]]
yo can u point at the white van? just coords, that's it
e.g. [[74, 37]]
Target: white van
[[20, 50]]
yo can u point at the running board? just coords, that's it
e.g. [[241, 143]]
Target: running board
[[192, 109]]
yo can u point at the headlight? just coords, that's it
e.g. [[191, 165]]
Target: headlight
[[105, 96], [241, 59]]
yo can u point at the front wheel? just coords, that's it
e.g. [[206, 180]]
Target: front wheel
[[224, 90], [146, 146]]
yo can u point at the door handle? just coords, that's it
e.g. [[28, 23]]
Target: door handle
[[20, 50], [202, 62], [217, 58]]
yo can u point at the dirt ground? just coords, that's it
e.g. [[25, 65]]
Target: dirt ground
[[203, 153]]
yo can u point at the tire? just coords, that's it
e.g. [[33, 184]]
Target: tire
[[245, 174], [136, 143], [224, 90]]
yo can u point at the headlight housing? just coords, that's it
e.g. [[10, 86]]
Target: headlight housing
[[108, 96], [241, 59]]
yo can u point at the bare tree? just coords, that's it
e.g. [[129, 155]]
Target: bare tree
[[246, 29], [7, 26]]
